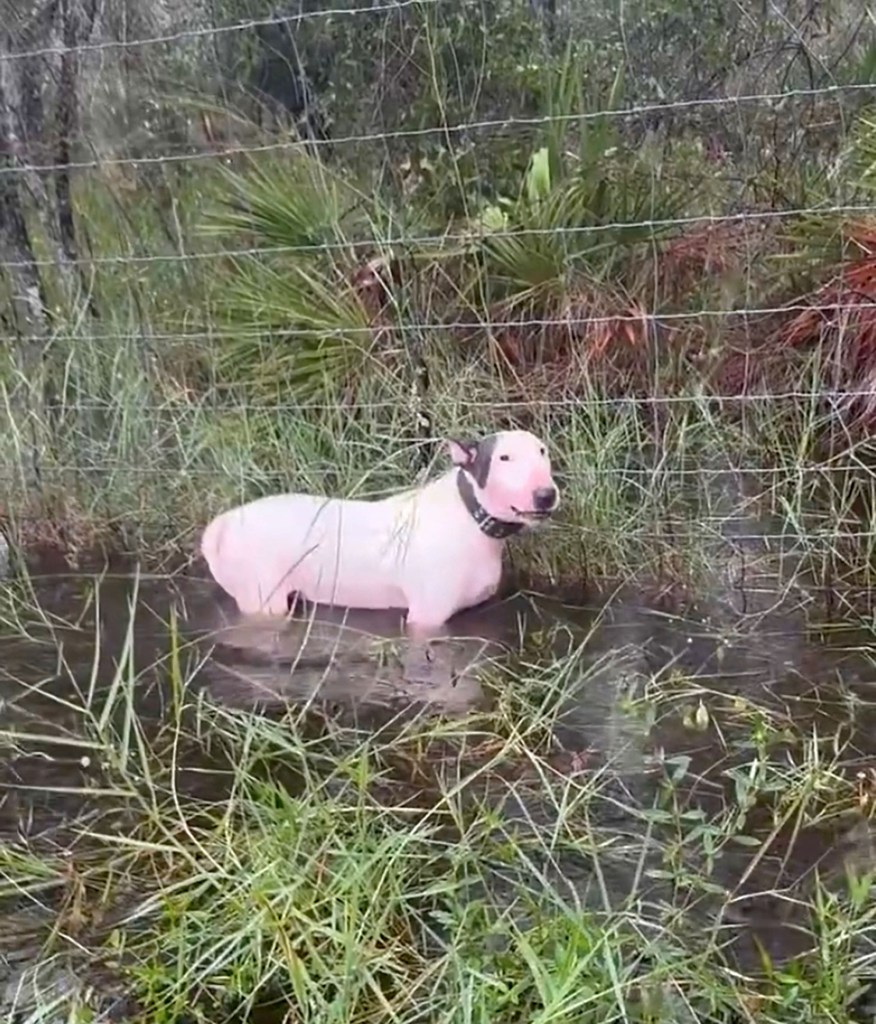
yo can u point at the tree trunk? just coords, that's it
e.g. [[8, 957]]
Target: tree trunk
[[77, 24], [26, 286]]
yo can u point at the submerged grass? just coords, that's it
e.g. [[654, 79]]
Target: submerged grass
[[600, 841]]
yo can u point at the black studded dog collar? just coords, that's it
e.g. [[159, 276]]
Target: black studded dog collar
[[498, 529]]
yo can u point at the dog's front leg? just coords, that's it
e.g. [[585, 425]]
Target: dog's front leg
[[423, 662]]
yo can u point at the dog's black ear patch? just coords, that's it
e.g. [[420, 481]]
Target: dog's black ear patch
[[462, 452], [480, 466], [475, 457]]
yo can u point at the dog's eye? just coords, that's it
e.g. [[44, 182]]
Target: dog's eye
[[542, 452], [504, 458]]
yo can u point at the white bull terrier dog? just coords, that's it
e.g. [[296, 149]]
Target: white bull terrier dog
[[430, 551]]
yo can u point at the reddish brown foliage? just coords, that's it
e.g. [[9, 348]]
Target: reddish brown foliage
[[840, 323], [617, 339], [704, 253], [374, 282], [773, 352], [595, 334]]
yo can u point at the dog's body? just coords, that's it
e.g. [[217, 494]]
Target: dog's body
[[430, 551]]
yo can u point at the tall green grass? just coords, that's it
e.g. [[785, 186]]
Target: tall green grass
[[123, 459]]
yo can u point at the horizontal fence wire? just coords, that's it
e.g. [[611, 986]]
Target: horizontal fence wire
[[674, 532], [458, 238], [608, 472], [500, 325], [486, 405], [542, 120], [185, 35]]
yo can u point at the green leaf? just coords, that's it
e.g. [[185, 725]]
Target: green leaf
[[493, 218], [538, 176]]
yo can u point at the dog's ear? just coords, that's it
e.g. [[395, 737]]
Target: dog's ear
[[474, 457], [462, 453]]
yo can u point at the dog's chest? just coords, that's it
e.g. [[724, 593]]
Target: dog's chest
[[479, 578]]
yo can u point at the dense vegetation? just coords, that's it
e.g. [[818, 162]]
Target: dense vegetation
[[477, 235], [296, 254]]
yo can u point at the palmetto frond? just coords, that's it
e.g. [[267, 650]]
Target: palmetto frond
[[578, 213], [297, 205], [303, 324]]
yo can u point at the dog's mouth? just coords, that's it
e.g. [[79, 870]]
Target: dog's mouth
[[534, 514]]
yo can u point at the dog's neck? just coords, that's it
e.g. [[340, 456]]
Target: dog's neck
[[497, 529]]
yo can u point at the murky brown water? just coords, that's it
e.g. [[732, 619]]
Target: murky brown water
[[741, 644]]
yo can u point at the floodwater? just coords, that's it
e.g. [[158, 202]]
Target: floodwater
[[751, 641]]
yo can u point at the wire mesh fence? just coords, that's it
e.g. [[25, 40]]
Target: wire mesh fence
[[246, 247], [249, 246]]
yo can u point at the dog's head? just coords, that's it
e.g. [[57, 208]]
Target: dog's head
[[510, 472]]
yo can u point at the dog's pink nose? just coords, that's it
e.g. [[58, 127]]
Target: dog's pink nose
[[544, 498]]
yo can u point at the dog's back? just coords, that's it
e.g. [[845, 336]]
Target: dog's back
[[330, 551]]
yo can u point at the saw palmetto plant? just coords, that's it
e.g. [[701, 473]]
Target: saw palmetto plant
[[301, 320], [568, 248]]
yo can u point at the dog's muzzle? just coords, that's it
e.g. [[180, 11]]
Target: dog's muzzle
[[545, 501]]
